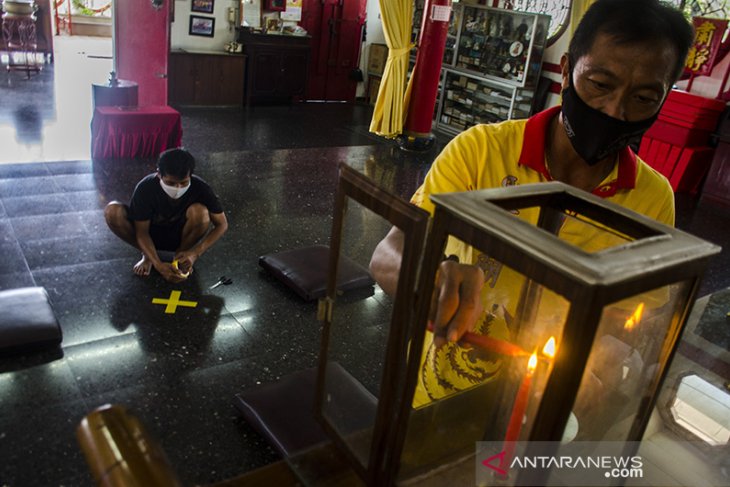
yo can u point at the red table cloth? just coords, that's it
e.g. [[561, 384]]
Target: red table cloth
[[118, 132]]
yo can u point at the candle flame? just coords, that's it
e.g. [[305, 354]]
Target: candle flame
[[549, 348], [532, 363], [635, 318]]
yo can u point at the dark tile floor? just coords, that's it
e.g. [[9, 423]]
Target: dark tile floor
[[274, 169]]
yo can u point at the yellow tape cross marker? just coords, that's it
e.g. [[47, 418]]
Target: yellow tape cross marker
[[173, 302]]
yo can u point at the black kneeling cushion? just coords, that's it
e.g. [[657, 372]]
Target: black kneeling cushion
[[27, 321], [304, 270], [283, 412]]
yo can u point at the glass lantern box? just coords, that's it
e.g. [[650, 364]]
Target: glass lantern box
[[584, 302]]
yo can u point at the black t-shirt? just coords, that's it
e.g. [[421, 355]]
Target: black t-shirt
[[150, 202]]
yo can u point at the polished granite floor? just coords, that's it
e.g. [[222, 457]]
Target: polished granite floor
[[274, 169]]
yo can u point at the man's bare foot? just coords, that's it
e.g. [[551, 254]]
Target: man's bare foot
[[142, 268]]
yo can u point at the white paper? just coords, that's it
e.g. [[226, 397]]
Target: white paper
[[292, 13], [252, 13], [440, 13]]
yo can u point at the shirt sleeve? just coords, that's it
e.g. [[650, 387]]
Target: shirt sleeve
[[453, 170], [654, 196]]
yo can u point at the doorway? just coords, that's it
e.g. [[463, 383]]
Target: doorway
[[46, 116], [336, 28]]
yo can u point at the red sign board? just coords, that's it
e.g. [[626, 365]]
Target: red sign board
[[708, 36]]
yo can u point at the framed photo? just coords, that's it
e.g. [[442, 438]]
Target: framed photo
[[204, 6], [272, 24], [202, 26], [275, 5]]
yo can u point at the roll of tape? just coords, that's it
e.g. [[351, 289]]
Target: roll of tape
[[184, 274]]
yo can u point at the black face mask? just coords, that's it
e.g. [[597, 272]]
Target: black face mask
[[595, 135]]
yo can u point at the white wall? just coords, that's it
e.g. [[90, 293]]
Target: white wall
[[179, 37], [373, 34]]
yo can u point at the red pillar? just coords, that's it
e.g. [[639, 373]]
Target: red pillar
[[426, 74]]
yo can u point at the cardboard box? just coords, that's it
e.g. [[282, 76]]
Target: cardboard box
[[377, 58], [373, 87]]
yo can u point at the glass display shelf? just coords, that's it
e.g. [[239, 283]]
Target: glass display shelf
[[503, 45], [469, 100]]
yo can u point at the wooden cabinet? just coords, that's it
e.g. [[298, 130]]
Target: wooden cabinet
[[491, 66], [276, 67], [205, 78]]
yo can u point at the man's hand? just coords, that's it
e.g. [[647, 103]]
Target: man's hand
[[185, 260], [169, 273], [456, 303]]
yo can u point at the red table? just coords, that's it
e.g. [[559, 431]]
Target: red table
[[118, 132]]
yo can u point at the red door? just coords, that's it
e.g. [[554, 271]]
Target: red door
[[141, 46], [336, 28]]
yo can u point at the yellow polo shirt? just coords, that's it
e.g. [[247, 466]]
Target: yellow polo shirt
[[506, 154]]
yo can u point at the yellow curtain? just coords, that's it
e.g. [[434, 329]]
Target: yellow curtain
[[577, 9], [389, 113]]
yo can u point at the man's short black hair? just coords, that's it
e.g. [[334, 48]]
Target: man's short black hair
[[630, 21], [177, 162]]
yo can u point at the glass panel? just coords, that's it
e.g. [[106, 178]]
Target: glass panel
[[625, 360], [588, 235], [357, 338], [538, 50], [452, 34], [522, 107], [692, 414], [575, 228], [470, 100], [482, 387], [496, 43], [558, 11]]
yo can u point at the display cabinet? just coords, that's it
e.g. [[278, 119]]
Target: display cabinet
[[468, 100], [491, 65], [504, 45], [451, 36], [276, 67], [491, 73]]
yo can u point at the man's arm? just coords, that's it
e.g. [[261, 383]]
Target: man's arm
[[385, 262], [145, 244], [187, 258], [456, 301]]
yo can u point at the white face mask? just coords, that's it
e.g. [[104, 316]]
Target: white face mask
[[173, 191]]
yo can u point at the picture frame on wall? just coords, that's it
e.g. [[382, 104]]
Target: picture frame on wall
[[202, 26], [275, 5], [202, 6]]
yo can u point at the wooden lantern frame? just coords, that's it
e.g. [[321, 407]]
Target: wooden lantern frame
[[656, 256]]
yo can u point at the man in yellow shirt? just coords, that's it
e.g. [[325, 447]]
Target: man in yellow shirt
[[622, 61]]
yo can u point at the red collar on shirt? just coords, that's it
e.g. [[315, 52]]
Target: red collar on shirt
[[533, 154]]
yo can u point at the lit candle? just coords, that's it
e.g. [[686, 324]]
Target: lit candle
[[634, 319], [518, 411], [549, 349], [630, 340]]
